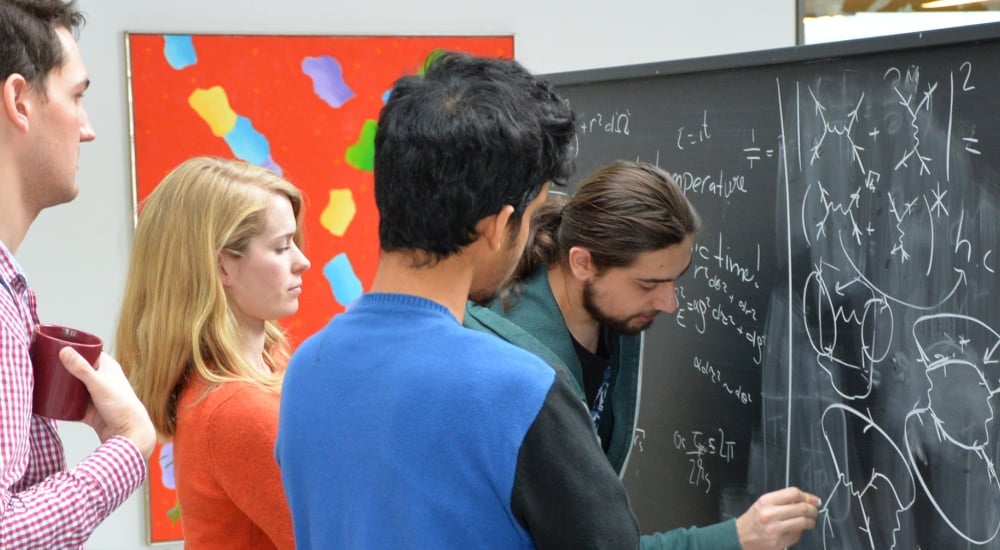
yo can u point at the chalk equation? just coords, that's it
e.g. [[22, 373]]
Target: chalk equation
[[699, 446], [893, 249], [717, 377], [729, 277]]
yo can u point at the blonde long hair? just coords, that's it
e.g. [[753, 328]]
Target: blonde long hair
[[175, 318]]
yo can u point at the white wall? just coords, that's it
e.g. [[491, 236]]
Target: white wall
[[76, 254]]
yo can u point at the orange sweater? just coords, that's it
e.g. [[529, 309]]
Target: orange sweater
[[228, 482]]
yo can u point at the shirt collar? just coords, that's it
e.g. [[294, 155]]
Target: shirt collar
[[10, 270]]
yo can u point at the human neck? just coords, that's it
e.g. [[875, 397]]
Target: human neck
[[253, 338], [568, 292], [446, 282], [15, 217], [11, 235]]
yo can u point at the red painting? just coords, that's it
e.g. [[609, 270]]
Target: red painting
[[304, 106]]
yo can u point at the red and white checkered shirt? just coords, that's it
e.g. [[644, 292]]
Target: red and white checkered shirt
[[42, 504]]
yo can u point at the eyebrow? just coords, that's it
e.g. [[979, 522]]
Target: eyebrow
[[658, 280]]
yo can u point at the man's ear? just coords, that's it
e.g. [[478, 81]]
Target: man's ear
[[17, 101], [493, 229], [581, 263]]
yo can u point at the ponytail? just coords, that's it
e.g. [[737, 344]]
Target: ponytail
[[618, 212]]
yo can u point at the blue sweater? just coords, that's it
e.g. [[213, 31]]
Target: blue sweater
[[401, 428]]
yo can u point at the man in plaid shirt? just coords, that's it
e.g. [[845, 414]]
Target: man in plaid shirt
[[42, 123]]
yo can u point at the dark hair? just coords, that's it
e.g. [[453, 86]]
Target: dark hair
[[29, 45], [618, 212], [460, 142]]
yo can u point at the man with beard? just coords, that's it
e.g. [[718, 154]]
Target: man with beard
[[599, 267], [400, 427]]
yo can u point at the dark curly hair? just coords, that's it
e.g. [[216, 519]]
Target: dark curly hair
[[458, 143]]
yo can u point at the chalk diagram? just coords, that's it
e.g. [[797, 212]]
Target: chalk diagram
[[891, 304]]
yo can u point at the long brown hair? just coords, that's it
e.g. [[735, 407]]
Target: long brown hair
[[618, 212]]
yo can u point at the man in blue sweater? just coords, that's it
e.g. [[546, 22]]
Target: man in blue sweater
[[401, 428]]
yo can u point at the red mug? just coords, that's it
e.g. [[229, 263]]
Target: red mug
[[58, 394]]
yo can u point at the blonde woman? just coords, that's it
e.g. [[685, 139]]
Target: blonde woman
[[216, 261]]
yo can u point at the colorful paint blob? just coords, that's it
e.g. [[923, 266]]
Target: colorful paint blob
[[328, 80]]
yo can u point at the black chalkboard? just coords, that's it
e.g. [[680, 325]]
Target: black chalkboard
[[838, 328]]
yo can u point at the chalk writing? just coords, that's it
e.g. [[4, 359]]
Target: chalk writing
[[612, 123], [690, 137], [700, 445], [722, 186], [754, 152], [638, 436], [865, 323], [714, 375]]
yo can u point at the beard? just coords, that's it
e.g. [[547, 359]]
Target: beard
[[627, 326]]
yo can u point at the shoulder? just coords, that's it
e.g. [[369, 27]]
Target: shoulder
[[487, 344], [306, 348], [221, 406], [487, 320]]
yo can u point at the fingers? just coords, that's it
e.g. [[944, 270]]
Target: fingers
[[777, 519], [796, 513], [789, 495], [788, 504], [76, 364], [798, 517], [115, 409]]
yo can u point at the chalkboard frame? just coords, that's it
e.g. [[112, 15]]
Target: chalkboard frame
[[970, 34]]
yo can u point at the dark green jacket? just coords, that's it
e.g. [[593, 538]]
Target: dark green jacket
[[535, 323]]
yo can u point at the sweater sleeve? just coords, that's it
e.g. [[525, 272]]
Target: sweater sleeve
[[719, 536], [241, 434], [566, 495]]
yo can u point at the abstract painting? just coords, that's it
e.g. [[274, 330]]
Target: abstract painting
[[303, 106]]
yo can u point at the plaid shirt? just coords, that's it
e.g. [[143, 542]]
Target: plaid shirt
[[42, 504]]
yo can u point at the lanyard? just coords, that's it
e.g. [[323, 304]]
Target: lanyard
[[602, 392]]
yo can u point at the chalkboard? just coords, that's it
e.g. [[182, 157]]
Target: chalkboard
[[838, 327]]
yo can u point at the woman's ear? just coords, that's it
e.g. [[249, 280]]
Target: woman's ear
[[225, 266]]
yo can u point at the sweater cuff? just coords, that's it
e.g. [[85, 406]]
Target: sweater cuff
[[718, 536], [721, 535]]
